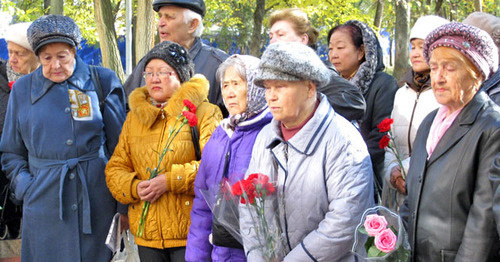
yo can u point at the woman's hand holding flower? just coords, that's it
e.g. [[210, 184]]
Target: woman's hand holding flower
[[151, 190]]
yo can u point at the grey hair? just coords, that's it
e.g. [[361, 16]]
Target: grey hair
[[189, 15], [236, 63]]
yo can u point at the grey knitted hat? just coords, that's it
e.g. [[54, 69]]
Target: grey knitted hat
[[53, 29], [174, 55], [291, 62]]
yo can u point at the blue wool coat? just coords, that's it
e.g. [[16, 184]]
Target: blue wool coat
[[54, 150], [210, 174]]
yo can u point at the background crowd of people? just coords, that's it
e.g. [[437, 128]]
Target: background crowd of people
[[77, 146]]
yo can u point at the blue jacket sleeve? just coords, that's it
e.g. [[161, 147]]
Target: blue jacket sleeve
[[14, 153], [198, 248], [114, 108]]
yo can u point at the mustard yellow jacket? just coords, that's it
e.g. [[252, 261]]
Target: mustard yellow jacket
[[144, 133]]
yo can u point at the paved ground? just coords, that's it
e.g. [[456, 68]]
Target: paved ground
[[10, 250]]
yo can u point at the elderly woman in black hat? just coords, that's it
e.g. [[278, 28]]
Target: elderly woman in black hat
[[449, 208], [61, 126], [154, 112]]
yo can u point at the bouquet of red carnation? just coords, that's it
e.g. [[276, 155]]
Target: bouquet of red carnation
[[387, 141], [381, 236], [187, 116], [260, 199]]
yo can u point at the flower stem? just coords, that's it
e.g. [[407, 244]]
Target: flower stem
[[154, 173]]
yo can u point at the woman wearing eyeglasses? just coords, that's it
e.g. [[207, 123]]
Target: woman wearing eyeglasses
[[154, 109]]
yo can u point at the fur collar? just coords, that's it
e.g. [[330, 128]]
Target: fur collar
[[196, 90]]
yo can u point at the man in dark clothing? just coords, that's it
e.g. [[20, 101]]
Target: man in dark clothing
[[180, 21]]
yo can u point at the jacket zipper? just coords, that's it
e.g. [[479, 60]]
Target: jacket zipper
[[285, 151], [411, 123], [226, 164]]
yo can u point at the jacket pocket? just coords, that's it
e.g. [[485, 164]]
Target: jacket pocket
[[22, 186], [448, 255]]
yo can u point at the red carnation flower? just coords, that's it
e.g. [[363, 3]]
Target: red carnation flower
[[11, 84], [191, 107], [384, 142], [191, 118], [245, 187], [385, 125]]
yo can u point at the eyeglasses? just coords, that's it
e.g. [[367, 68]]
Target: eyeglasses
[[147, 75]]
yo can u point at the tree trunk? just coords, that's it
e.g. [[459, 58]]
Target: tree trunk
[[402, 27], [56, 7], [146, 28], [46, 5], [256, 38], [135, 59], [478, 5], [437, 8], [377, 22], [103, 12]]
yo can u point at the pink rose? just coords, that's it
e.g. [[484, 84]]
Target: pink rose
[[375, 224], [385, 241]]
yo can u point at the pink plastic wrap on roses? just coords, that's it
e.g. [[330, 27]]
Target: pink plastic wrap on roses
[[381, 236]]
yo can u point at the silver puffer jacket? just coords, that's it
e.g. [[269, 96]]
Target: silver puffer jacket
[[325, 183]]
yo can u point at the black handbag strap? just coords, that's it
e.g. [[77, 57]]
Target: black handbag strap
[[196, 142], [94, 75]]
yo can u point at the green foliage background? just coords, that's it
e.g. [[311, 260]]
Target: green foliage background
[[231, 21]]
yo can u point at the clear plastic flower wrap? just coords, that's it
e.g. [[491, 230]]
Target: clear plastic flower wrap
[[260, 201], [381, 236]]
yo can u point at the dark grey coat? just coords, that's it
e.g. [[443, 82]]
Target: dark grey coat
[[345, 98], [4, 92], [206, 61], [492, 87], [379, 89], [448, 210]]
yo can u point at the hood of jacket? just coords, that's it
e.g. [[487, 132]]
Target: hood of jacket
[[373, 57], [195, 90], [409, 79]]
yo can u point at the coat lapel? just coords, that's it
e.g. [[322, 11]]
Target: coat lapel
[[41, 85], [306, 140], [460, 127]]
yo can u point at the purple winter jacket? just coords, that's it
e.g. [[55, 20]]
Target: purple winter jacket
[[209, 174]]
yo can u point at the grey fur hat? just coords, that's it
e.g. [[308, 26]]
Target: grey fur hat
[[174, 55], [291, 62], [53, 29]]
